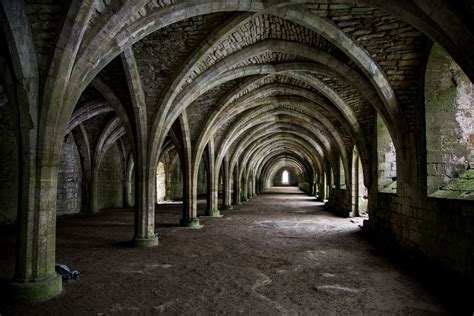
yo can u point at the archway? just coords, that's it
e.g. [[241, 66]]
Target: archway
[[160, 183], [359, 190]]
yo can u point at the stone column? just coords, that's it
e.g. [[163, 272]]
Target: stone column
[[236, 185], [189, 218], [145, 183], [35, 277], [245, 188], [227, 203], [212, 187]]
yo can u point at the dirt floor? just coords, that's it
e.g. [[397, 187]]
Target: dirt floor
[[280, 253]]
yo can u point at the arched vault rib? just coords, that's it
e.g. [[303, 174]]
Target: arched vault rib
[[289, 143], [87, 111], [244, 148], [269, 117], [141, 27], [307, 19], [257, 98], [287, 157], [225, 70], [269, 154], [262, 114], [251, 99], [278, 163], [288, 125], [247, 156], [316, 162], [279, 142], [290, 153]]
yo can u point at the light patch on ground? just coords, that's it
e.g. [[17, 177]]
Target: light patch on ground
[[337, 288]]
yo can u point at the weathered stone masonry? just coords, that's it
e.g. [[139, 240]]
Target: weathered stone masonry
[[113, 104]]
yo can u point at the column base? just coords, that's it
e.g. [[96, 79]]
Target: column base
[[36, 291], [190, 222], [228, 207], [213, 213], [145, 242]]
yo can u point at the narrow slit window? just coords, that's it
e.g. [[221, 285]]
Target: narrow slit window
[[285, 178]]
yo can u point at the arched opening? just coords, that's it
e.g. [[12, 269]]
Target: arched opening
[[359, 190], [285, 177], [386, 159], [449, 108], [342, 175], [176, 178], [160, 183], [69, 192]]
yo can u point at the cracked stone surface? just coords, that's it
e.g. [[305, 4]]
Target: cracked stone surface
[[280, 253]]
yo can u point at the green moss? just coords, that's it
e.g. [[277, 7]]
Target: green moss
[[391, 188], [190, 222], [36, 291], [145, 242], [213, 213], [459, 188]]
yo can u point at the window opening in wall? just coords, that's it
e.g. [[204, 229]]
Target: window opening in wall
[[359, 190], [160, 183], [285, 177], [342, 175], [386, 159], [449, 109]]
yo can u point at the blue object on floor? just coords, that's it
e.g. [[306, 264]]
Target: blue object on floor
[[66, 273]]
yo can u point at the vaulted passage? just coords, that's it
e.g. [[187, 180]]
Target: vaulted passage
[[164, 115], [281, 253]]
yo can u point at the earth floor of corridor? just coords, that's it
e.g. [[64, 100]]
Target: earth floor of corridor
[[280, 253]]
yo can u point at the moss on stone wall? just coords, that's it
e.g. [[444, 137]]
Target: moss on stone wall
[[449, 110]]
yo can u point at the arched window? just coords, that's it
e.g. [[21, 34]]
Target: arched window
[[285, 178]]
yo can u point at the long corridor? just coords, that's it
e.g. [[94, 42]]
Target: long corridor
[[280, 253]]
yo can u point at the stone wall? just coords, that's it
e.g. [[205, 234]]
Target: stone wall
[[440, 231], [110, 180], [449, 115], [436, 231], [386, 159], [176, 187], [306, 187], [340, 202], [160, 183], [69, 195], [202, 179], [176, 184], [8, 166]]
